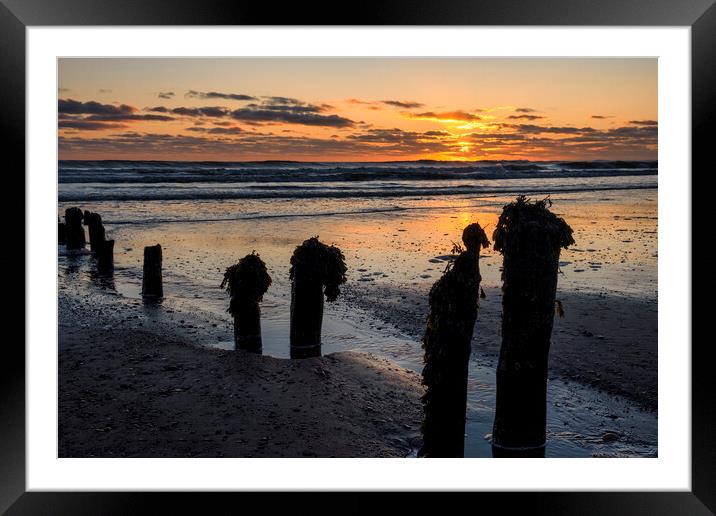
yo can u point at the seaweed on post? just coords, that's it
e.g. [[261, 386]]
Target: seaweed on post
[[316, 270], [246, 282], [530, 238], [447, 343]]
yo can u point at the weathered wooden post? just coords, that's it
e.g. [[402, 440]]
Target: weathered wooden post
[[75, 233], [316, 269], [105, 256], [529, 237], [93, 221], [447, 344], [61, 232], [152, 276], [247, 282]]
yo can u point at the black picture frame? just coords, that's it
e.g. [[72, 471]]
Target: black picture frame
[[700, 15]]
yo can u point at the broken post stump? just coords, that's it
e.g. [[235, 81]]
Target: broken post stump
[[529, 237], [61, 233], [105, 256], [152, 274], [447, 343], [93, 221], [247, 282], [75, 233], [316, 270]]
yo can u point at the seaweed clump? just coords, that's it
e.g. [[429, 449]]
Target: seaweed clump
[[246, 281], [319, 263], [447, 340], [522, 217]]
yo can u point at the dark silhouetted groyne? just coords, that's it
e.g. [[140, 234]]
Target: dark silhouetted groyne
[[152, 275], [105, 256], [246, 283], [93, 221], [530, 238], [61, 232], [75, 233], [447, 344], [316, 269]]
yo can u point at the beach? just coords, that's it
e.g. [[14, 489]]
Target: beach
[[126, 390], [138, 367]]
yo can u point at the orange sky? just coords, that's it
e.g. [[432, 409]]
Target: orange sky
[[357, 109]]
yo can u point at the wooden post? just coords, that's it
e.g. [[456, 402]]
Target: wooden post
[[75, 233], [61, 233], [93, 221], [152, 277], [306, 317], [447, 343], [105, 256], [247, 282], [530, 238], [316, 269]]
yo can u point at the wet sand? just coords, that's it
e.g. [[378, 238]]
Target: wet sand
[[605, 342], [141, 392], [603, 360]]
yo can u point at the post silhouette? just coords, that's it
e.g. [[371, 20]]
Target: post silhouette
[[93, 221], [447, 344], [529, 237], [61, 232], [316, 270], [247, 282], [152, 275], [75, 233], [105, 256]]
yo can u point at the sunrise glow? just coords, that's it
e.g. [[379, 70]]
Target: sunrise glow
[[319, 109]]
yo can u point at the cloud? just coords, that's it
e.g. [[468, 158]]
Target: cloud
[[165, 94], [290, 117], [218, 95], [643, 122], [94, 116], [525, 117], [537, 129], [75, 107], [525, 110], [268, 110], [209, 111], [520, 141], [462, 116], [405, 104], [216, 130], [377, 104], [601, 117], [290, 111], [532, 141], [131, 116], [83, 125]]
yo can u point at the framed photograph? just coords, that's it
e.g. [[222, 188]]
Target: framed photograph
[[424, 249]]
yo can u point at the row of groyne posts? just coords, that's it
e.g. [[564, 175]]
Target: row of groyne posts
[[529, 237]]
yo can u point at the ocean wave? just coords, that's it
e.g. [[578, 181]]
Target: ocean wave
[[149, 172], [149, 194]]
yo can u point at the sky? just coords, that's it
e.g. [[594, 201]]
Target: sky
[[357, 109]]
